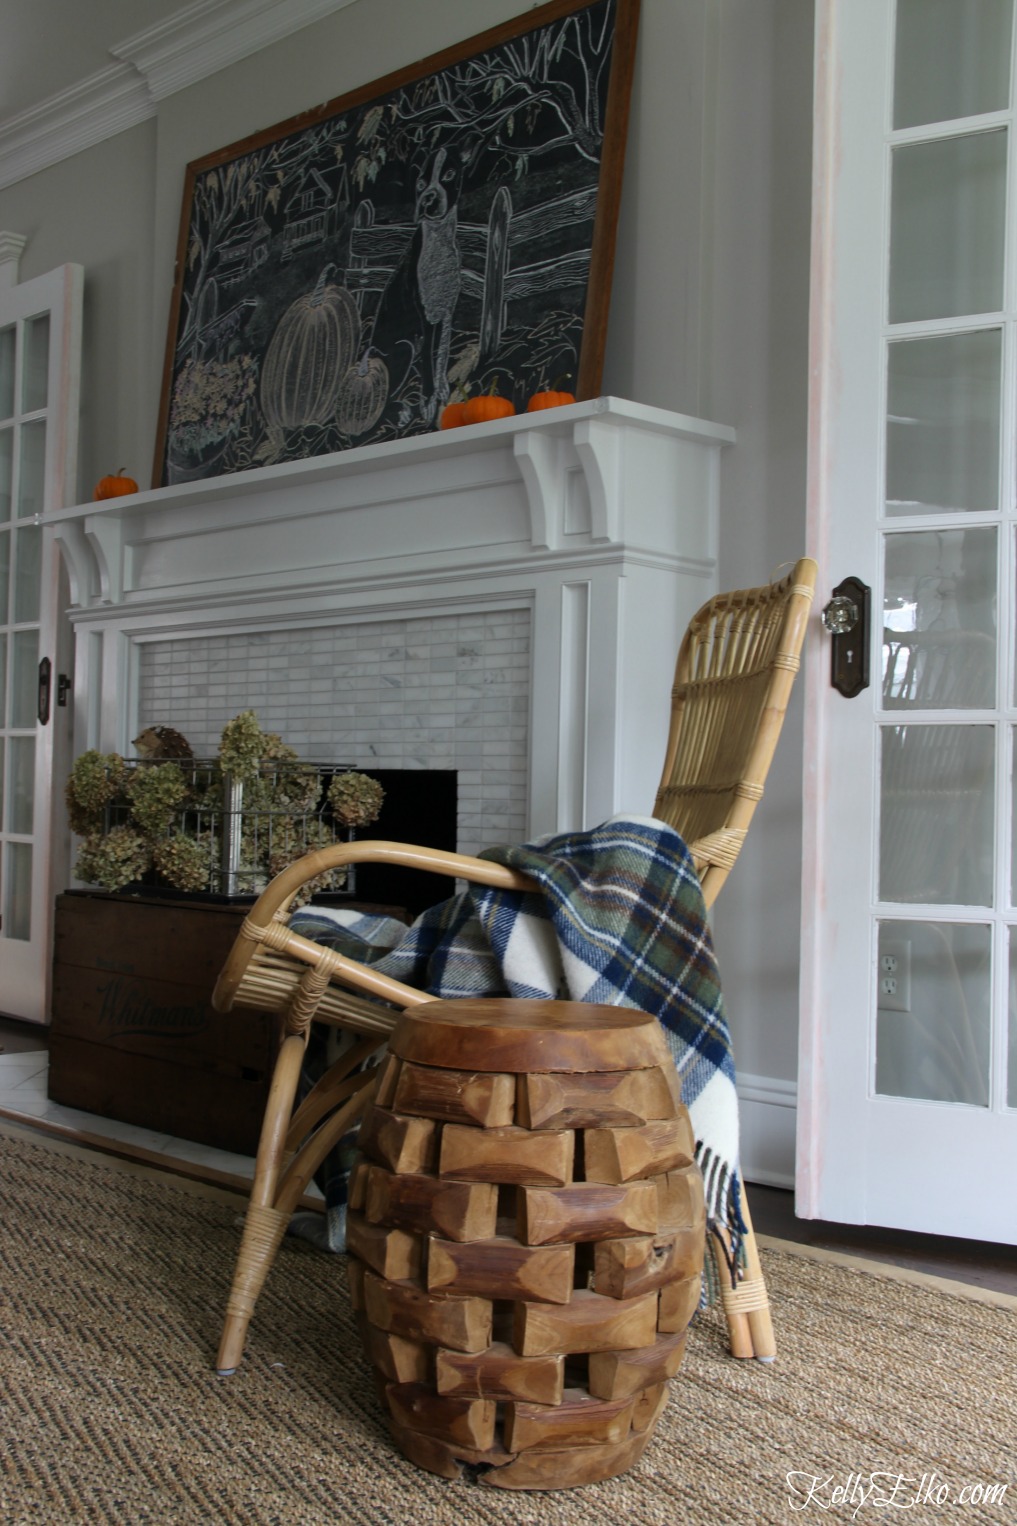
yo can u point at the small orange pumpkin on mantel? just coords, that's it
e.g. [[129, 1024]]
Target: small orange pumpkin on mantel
[[452, 416], [481, 410], [550, 397], [548, 400], [116, 485]]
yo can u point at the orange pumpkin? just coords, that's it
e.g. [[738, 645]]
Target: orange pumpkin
[[548, 400], [452, 416], [480, 410], [114, 486]]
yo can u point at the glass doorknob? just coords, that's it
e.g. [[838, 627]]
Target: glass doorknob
[[840, 615]]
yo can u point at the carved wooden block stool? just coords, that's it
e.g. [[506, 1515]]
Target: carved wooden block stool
[[526, 1236]]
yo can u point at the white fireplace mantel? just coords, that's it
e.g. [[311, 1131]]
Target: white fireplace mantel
[[600, 517]]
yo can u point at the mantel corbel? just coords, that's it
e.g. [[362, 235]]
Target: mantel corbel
[[599, 448], [537, 456], [597, 445], [78, 560], [105, 535]]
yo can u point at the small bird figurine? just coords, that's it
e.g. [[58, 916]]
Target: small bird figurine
[[157, 743]]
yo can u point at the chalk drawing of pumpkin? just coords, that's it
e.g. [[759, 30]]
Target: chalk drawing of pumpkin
[[314, 344], [363, 393]]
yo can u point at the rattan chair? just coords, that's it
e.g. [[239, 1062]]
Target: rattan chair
[[733, 679], [734, 674]]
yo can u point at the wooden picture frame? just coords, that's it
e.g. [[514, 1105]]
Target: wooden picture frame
[[445, 231]]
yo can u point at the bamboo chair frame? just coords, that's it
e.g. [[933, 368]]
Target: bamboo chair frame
[[734, 673], [733, 678]]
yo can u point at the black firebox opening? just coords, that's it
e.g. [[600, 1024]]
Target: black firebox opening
[[420, 806]]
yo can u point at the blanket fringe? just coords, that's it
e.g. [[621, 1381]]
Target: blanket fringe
[[725, 1227]]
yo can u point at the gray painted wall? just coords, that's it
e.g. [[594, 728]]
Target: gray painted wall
[[709, 313]]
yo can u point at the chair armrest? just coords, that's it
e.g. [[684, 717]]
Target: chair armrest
[[273, 904]]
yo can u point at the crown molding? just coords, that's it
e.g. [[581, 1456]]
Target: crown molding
[[209, 35], [195, 42], [90, 111]]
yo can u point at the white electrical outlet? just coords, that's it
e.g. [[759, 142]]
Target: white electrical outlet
[[895, 975]]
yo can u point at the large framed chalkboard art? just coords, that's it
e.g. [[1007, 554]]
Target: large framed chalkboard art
[[443, 232]]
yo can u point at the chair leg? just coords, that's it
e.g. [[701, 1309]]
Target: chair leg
[[282, 1174], [264, 1226], [305, 1162], [747, 1306]]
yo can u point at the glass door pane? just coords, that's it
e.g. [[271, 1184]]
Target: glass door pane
[[937, 837], [947, 219], [8, 342], [1011, 1089], [17, 917], [21, 776], [32, 471], [27, 572], [6, 473], [934, 1011], [939, 619], [24, 679], [952, 59], [944, 401], [36, 371]]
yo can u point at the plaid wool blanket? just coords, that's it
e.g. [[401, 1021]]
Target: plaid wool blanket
[[619, 920]]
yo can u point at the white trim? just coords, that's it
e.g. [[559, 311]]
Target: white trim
[[210, 35], [87, 113], [11, 248], [197, 41], [812, 1080], [767, 1109]]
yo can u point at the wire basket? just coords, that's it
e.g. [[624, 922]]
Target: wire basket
[[229, 836]]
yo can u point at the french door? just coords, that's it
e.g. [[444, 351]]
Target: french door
[[40, 341], [908, 1078]]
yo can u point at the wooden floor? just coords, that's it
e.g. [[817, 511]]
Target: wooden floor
[[983, 1265], [972, 1261]]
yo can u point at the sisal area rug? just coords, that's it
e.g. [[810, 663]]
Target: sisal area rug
[[886, 1394]]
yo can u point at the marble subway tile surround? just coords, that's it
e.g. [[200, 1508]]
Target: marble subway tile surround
[[444, 691]]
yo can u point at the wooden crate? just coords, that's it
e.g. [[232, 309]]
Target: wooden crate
[[133, 1035]]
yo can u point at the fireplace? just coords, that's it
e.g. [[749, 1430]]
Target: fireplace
[[501, 602], [445, 693]]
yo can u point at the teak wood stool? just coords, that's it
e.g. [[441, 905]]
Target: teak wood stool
[[526, 1237]]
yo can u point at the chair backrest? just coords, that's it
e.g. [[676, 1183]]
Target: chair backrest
[[733, 678]]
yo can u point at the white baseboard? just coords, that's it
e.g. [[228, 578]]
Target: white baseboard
[[767, 1115]]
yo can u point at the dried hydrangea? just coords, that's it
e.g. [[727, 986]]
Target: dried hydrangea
[[241, 746], [156, 794], [356, 799], [181, 862], [296, 790], [275, 750], [114, 860], [291, 841], [96, 779], [172, 813]]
